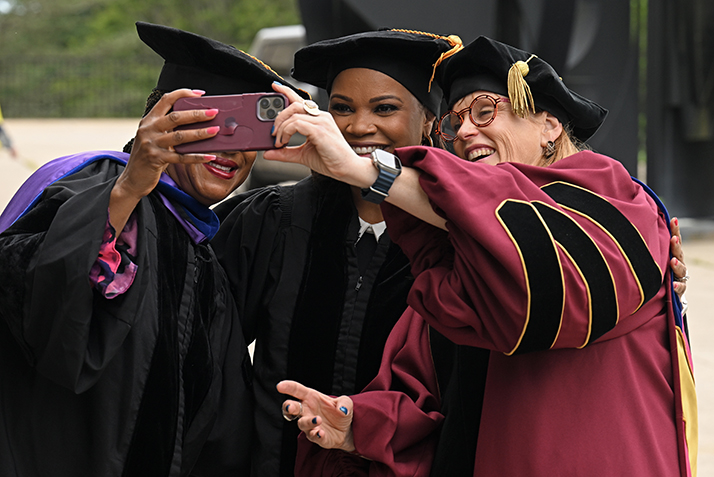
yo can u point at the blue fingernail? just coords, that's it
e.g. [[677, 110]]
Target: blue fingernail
[[319, 436], [343, 409], [287, 408], [314, 420], [278, 83], [272, 130]]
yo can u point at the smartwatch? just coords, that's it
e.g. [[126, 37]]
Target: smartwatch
[[389, 168]]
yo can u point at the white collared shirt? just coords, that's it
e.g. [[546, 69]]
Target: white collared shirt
[[375, 229]]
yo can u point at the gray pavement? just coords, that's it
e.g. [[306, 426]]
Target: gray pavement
[[38, 141]]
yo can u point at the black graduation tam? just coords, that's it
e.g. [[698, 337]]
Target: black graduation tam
[[407, 56], [528, 81], [196, 62]]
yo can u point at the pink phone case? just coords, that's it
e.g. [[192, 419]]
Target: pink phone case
[[246, 121]]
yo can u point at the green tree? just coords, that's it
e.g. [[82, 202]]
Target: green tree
[[77, 58]]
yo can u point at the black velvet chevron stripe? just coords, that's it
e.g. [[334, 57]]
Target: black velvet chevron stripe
[[543, 271], [607, 216], [591, 263]]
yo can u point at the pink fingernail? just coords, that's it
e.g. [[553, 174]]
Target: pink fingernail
[[213, 129], [209, 157], [198, 91], [211, 112], [676, 238]]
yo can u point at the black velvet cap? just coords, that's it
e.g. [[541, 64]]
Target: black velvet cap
[[196, 62], [407, 56], [489, 65]]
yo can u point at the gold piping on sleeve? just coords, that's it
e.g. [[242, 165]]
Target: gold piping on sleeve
[[582, 276], [525, 270], [615, 241]]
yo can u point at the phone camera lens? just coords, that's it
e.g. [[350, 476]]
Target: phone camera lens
[[278, 103], [271, 113], [264, 103]]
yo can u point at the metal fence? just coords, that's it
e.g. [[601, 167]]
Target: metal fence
[[61, 86]]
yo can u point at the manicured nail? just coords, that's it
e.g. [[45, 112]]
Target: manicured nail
[[213, 129], [676, 239], [278, 83], [211, 112], [676, 262], [343, 409], [318, 435], [314, 420], [198, 91], [272, 130], [676, 222], [209, 157], [287, 408]]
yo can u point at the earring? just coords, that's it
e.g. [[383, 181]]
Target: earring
[[427, 141], [549, 149]]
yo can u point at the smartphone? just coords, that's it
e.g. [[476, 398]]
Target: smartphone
[[246, 121]]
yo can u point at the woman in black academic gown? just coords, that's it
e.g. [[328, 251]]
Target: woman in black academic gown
[[121, 354], [318, 282]]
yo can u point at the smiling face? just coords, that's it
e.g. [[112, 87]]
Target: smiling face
[[374, 111], [212, 182], [508, 138]]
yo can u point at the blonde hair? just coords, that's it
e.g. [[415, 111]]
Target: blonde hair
[[565, 145]]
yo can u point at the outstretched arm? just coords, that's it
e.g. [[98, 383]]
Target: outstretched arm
[[327, 152]]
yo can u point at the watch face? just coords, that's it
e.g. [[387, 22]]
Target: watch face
[[387, 160]]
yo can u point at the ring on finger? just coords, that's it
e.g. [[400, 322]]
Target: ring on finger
[[685, 278], [289, 417], [311, 107]]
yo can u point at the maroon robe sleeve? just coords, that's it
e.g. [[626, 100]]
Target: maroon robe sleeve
[[394, 417], [537, 258]]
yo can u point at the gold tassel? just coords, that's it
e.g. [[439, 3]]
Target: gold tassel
[[456, 46], [518, 90]]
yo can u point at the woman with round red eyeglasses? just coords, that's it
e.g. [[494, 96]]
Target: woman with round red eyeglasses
[[481, 112], [548, 265]]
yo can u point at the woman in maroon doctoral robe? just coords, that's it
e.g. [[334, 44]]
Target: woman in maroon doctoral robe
[[549, 259]]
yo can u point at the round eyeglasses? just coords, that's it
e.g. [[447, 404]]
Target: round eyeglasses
[[482, 112]]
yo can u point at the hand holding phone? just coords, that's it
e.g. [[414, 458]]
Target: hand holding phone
[[246, 121]]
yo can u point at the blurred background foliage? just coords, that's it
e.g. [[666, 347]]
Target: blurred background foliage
[[83, 58]]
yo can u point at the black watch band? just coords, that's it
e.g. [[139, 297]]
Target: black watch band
[[389, 168]]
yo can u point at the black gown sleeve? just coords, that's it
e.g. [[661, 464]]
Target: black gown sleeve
[[68, 332], [248, 246]]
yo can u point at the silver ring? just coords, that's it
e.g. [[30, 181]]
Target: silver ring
[[311, 107], [685, 278], [288, 417]]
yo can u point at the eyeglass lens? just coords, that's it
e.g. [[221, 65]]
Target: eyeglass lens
[[482, 110]]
